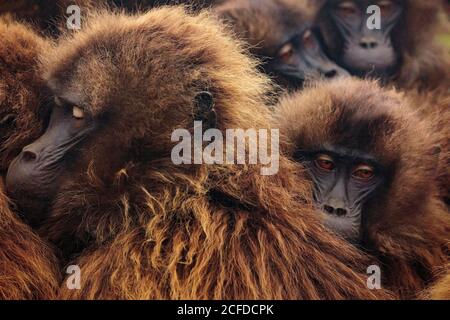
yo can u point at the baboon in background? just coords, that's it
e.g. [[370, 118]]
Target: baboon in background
[[140, 226], [22, 90], [28, 268], [404, 51], [373, 164], [280, 34]]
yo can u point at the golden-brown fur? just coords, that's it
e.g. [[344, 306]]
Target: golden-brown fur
[[441, 289], [141, 227], [27, 265], [407, 226]]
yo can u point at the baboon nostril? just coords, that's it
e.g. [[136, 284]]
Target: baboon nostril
[[28, 156], [368, 44], [341, 212], [328, 209], [330, 74]]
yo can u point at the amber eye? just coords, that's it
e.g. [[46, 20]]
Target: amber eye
[[386, 7], [324, 162], [347, 8], [286, 52], [364, 172], [77, 113]]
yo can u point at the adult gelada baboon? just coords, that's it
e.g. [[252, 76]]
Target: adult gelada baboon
[[140, 226], [27, 265], [280, 34], [403, 50], [373, 165]]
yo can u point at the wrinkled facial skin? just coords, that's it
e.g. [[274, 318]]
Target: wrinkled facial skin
[[301, 58], [37, 171], [343, 182], [366, 52]]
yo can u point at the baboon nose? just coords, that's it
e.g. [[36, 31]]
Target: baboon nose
[[340, 212], [331, 74], [368, 43], [337, 211], [28, 156], [328, 209]]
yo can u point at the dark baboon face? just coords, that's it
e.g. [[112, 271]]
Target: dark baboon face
[[344, 180], [282, 37], [361, 46], [298, 59]]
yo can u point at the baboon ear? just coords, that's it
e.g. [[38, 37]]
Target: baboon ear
[[204, 109]]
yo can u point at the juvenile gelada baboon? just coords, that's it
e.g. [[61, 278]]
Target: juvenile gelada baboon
[[136, 224], [374, 166], [27, 265], [280, 33], [404, 50]]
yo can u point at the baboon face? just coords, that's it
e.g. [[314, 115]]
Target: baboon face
[[116, 102], [298, 59], [363, 48], [361, 148], [344, 180]]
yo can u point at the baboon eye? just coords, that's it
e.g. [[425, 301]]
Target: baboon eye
[[364, 172], [286, 52], [325, 162], [77, 113], [58, 101], [386, 7], [347, 8], [308, 38]]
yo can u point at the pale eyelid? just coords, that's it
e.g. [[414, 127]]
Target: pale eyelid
[[288, 47], [78, 113]]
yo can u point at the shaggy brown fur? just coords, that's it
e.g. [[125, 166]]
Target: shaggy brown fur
[[263, 24], [441, 289], [49, 15], [146, 228], [22, 90], [27, 265], [424, 62], [406, 226], [28, 268]]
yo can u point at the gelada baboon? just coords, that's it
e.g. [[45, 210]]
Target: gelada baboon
[[373, 165], [140, 226], [27, 265], [403, 50], [280, 34]]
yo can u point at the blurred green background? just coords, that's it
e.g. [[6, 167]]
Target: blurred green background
[[445, 39]]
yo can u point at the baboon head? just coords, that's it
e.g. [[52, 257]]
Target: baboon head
[[280, 33], [122, 85], [368, 156], [375, 38], [23, 107]]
